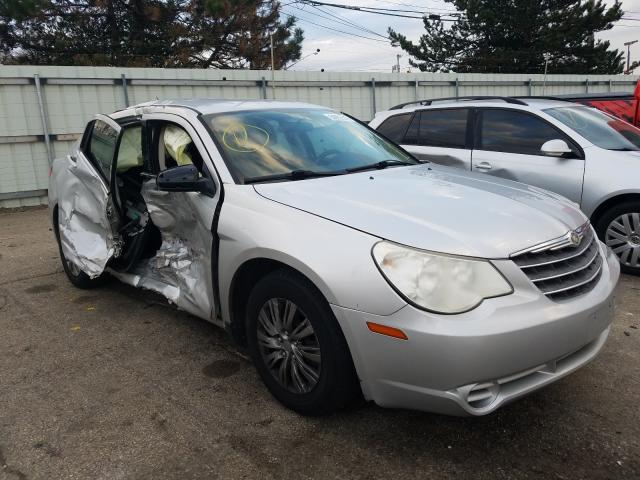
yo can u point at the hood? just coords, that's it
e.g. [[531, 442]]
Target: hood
[[435, 208]]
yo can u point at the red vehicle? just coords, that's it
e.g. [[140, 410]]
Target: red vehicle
[[621, 105]]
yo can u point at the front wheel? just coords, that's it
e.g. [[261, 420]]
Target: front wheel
[[76, 276], [619, 228], [298, 347]]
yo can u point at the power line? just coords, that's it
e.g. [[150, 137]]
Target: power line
[[348, 22], [335, 29], [385, 11], [417, 6], [339, 20]]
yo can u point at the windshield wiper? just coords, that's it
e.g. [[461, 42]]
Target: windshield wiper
[[292, 175], [379, 165], [304, 174]]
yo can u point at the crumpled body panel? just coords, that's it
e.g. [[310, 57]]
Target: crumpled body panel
[[84, 212], [181, 268]]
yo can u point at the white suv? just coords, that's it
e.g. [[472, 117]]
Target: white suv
[[586, 155]]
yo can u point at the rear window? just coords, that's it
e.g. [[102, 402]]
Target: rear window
[[444, 128], [394, 127]]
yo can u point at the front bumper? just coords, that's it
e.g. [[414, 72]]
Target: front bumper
[[472, 363]]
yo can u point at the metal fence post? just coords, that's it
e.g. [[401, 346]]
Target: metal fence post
[[263, 88], [457, 87], [610, 84], [530, 87], [373, 96], [123, 77], [586, 86], [43, 118], [417, 90]]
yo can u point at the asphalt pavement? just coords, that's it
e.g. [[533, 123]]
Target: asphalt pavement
[[114, 383]]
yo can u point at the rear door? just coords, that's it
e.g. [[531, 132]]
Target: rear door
[[440, 135], [88, 221], [507, 145]]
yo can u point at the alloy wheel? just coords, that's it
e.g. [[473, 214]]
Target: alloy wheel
[[623, 237], [288, 345]]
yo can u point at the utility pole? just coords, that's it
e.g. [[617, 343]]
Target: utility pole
[[546, 57], [273, 70], [628, 45]]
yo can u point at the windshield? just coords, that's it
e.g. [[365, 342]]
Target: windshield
[[270, 142], [599, 128]]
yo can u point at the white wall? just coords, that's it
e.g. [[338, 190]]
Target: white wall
[[72, 95]]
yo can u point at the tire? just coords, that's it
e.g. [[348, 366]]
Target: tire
[[619, 228], [324, 386], [76, 276]]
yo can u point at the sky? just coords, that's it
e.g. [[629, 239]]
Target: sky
[[342, 51]]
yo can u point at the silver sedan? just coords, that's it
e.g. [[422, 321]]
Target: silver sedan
[[346, 269]]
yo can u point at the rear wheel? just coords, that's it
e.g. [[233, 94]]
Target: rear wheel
[[76, 276], [619, 228], [298, 347]]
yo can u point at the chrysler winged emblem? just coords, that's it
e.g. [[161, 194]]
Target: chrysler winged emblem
[[575, 238]]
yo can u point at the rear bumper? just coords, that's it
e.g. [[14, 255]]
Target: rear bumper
[[471, 364]]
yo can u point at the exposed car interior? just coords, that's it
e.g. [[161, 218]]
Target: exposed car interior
[[169, 146]]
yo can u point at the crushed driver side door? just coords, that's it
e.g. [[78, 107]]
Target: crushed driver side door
[[87, 220]]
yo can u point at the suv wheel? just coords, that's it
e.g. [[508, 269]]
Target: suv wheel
[[619, 228], [297, 346]]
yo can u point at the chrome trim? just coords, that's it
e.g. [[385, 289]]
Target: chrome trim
[[555, 243], [577, 285], [577, 253], [564, 274], [561, 261]]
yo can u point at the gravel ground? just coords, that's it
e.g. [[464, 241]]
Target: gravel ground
[[114, 383]]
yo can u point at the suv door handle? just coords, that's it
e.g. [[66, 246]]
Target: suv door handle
[[483, 166]]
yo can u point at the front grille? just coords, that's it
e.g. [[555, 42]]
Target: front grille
[[561, 270]]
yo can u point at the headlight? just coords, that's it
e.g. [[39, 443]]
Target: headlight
[[437, 282]]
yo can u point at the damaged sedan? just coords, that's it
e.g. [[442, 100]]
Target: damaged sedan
[[347, 269]]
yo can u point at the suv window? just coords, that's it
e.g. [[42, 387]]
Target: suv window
[[394, 127], [515, 132], [412, 132], [102, 146], [444, 128]]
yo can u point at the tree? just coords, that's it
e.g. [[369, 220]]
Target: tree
[[512, 36], [147, 33]]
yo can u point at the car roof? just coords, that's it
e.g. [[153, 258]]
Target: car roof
[[207, 106]]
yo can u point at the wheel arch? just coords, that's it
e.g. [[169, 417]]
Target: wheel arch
[[246, 276], [610, 202], [54, 221]]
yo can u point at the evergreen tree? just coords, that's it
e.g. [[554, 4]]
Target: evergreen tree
[[512, 36], [147, 33]]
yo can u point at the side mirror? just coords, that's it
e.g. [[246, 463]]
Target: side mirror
[[556, 148], [184, 178]]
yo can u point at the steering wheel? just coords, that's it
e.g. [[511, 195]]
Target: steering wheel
[[326, 154]]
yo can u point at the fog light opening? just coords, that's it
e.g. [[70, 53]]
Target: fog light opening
[[483, 395]]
